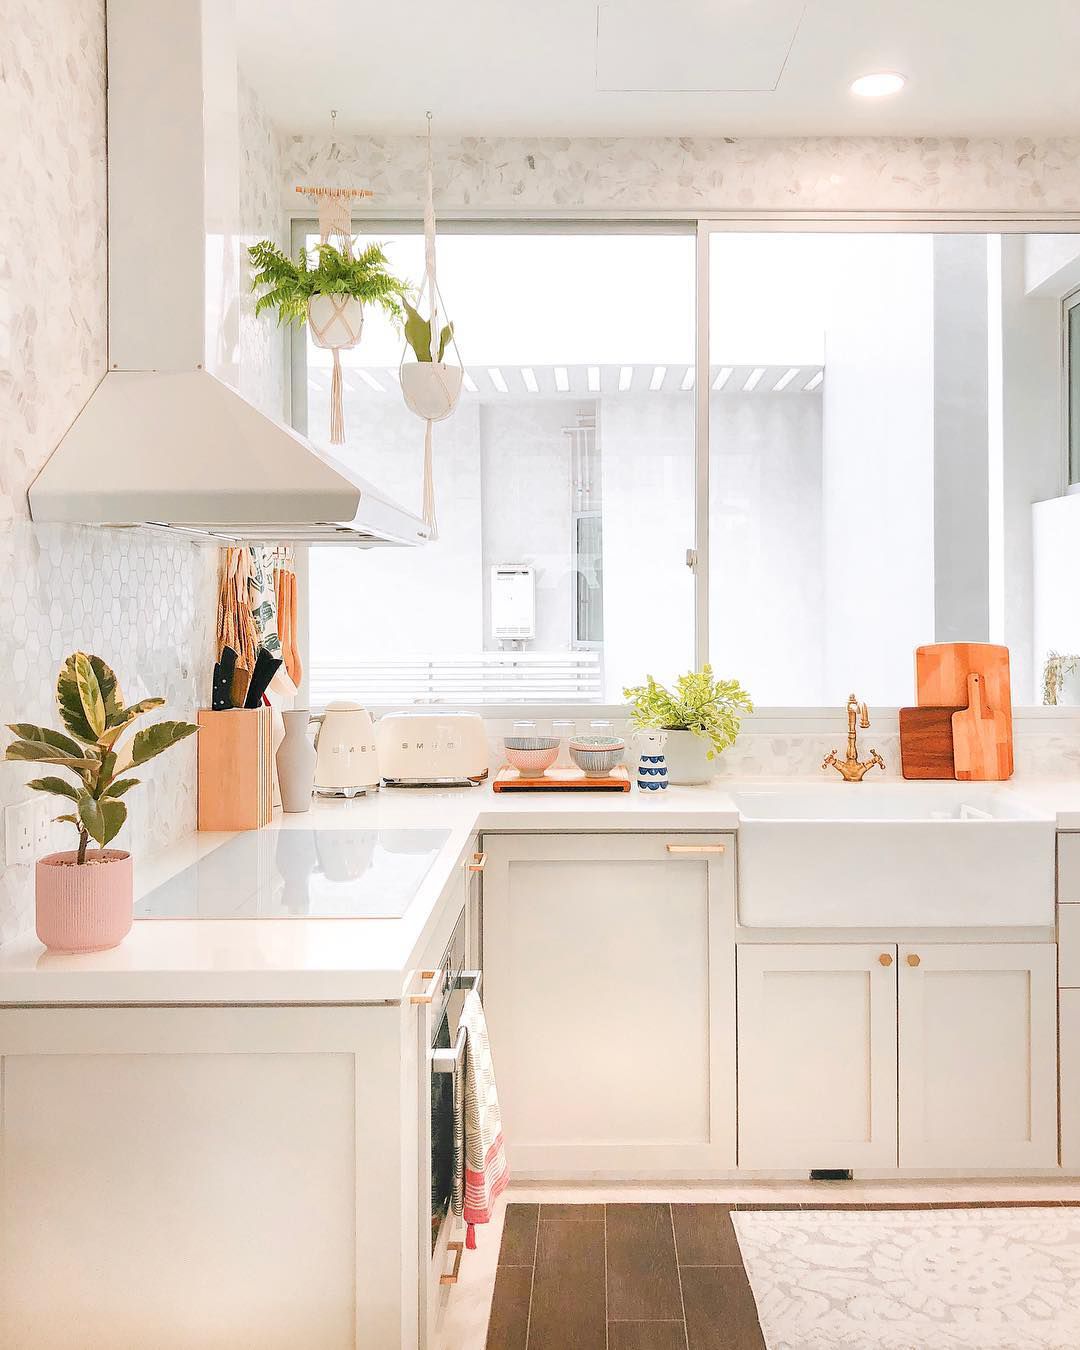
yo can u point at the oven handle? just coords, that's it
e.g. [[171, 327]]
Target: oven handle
[[449, 1061]]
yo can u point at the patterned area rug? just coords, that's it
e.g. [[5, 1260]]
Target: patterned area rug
[[958, 1279]]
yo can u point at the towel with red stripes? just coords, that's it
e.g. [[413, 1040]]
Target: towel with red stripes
[[480, 1170]]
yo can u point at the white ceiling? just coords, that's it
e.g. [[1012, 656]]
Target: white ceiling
[[503, 67]]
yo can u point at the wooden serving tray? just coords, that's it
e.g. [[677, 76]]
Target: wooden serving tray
[[561, 780]]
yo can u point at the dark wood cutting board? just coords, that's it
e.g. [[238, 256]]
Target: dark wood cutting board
[[926, 742]]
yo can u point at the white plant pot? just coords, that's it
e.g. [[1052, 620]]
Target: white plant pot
[[335, 320], [431, 388], [687, 758], [1070, 689]]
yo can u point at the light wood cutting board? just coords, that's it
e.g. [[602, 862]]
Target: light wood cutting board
[[980, 743], [941, 678]]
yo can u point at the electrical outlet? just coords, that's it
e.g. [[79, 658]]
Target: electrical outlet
[[43, 824], [19, 831]]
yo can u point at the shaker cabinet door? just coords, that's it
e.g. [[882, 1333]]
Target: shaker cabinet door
[[609, 976], [817, 1056], [978, 1055]]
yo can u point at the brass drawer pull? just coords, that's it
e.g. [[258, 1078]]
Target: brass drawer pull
[[431, 987], [697, 848], [885, 959], [458, 1248], [479, 862], [914, 960]]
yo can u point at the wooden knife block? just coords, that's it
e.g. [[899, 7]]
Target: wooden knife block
[[236, 777]]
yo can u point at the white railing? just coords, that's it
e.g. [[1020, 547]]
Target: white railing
[[484, 677]]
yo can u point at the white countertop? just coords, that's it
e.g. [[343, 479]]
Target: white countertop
[[334, 960]]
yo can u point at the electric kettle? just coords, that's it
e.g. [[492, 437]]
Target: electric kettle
[[346, 764]]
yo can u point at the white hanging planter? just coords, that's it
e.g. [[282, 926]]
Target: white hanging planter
[[431, 388], [336, 322]]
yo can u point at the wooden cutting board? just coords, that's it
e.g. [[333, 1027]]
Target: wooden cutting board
[[941, 679], [980, 737], [926, 742]]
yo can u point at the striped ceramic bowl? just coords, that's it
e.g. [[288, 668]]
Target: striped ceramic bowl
[[597, 755]]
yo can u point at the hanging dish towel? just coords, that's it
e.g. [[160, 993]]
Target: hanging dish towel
[[480, 1171]]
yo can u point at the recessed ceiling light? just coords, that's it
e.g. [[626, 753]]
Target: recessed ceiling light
[[626, 378], [593, 376], [562, 380], [528, 376], [878, 85]]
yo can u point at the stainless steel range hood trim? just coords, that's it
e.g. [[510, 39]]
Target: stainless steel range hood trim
[[183, 451]]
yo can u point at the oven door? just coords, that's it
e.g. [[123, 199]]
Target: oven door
[[448, 1107]]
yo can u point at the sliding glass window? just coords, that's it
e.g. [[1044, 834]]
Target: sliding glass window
[[564, 480]]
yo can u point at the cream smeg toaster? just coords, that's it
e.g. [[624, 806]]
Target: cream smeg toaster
[[437, 749]]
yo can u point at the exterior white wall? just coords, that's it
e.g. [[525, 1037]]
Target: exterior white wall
[[766, 583], [878, 468], [409, 601], [1032, 463], [647, 465], [526, 477], [960, 343]]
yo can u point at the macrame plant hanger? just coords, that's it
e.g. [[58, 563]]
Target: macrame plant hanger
[[337, 322], [431, 388]]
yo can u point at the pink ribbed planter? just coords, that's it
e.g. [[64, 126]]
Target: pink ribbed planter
[[88, 908]]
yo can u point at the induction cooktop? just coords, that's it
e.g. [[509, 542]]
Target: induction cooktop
[[301, 874]]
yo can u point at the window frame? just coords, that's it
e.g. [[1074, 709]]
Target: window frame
[[1069, 304], [703, 225]]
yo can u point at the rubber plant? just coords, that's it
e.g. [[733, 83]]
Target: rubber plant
[[95, 719], [699, 703]]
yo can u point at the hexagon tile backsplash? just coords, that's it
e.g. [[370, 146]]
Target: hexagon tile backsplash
[[142, 602]]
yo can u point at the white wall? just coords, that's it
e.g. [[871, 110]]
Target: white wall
[[647, 471], [526, 474], [878, 467], [144, 604], [766, 583]]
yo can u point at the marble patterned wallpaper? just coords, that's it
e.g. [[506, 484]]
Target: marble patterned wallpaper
[[694, 173], [262, 343], [141, 601]]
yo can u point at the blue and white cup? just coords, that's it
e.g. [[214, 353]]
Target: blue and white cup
[[652, 773]]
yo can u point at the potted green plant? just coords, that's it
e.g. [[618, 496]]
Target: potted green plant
[[431, 387], [327, 290], [701, 716], [84, 896]]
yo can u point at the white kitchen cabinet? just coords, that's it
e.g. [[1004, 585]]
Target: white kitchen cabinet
[[817, 1056], [1069, 1018], [978, 1040], [609, 977], [206, 1176]]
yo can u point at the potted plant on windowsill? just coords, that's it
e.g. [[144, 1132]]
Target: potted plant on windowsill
[[84, 897], [329, 296], [700, 716]]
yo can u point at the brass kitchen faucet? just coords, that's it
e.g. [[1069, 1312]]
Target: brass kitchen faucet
[[850, 768]]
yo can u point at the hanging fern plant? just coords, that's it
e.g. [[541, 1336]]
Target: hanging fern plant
[[288, 284]]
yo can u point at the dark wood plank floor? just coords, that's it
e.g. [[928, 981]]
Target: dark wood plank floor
[[636, 1277]]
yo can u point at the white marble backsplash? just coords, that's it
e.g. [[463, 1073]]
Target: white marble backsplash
[[654, 175]]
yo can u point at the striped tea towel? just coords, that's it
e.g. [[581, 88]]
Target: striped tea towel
[[480, 1171]]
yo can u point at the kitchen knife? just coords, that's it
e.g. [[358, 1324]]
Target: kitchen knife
[[223, 675], [266, 667]]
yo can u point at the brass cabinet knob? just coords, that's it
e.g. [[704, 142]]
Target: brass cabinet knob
[[885, 959], [913, 960]]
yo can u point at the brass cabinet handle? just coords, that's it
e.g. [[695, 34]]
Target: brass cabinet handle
[[479, 862], [697, 848], [885, 959], [431, 987], [458, 1248], [913, 960]]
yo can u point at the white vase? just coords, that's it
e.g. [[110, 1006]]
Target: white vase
[[296, 762], [652, 774], [431, 388], [687, 758]]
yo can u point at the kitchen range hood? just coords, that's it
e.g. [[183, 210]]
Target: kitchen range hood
[[165, 441]]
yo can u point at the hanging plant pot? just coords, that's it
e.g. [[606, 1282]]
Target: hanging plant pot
[[336, 322], [431, 388]]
